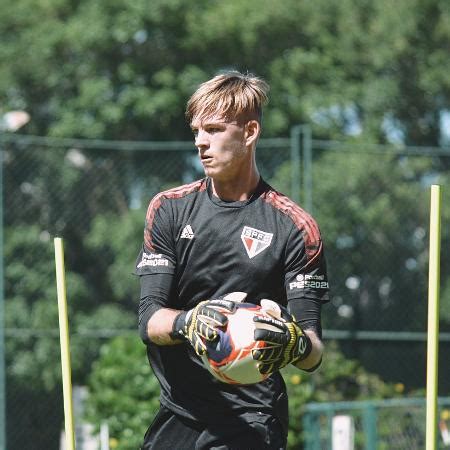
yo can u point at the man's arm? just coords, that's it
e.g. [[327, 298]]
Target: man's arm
[[308, 311], [155, 293], [307, 288], [160, 325]]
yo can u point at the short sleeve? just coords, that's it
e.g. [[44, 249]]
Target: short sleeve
[[158, 253], [305, 264]]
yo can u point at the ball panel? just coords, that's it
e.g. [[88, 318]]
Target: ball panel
[[242, 335], [230, 358]]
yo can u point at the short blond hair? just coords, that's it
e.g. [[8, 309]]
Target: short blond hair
[[232, 95]]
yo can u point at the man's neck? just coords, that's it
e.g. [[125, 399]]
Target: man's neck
[[237, 190]]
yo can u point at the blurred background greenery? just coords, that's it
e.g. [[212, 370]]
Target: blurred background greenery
[[105, 83]]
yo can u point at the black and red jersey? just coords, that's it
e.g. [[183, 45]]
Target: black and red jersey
[[266, 246]]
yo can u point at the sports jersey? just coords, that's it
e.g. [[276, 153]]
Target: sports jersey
[[266, 246]]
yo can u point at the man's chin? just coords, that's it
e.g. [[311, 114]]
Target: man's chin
[[210, 172]]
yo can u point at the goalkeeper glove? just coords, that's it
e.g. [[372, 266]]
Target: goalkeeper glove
[[285, 341], [201, 322]]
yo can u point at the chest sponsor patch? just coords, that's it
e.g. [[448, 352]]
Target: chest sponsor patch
[[255, 241]]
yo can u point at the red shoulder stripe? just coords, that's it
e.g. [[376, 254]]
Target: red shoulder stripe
[[155, 203], [302, 220]]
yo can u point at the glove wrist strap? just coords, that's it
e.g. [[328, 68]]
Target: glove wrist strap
[[179, 326], [304, 348]]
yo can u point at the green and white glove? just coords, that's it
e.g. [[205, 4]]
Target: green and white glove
[[201, 322], [285, 341]]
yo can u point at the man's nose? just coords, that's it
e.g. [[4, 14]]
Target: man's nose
[[201, 140]]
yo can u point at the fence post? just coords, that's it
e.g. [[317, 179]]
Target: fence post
[[295, 163], [370, 426], [2, 317], [311, 431], [9, 122], [301, 165], [307, 427], [307, 168]]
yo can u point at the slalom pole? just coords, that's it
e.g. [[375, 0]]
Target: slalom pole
[[64, 344], [433, 318]]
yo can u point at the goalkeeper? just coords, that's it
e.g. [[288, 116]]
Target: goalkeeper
[[227, 232]]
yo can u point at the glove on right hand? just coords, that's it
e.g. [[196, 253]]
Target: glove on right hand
[[202, 321]]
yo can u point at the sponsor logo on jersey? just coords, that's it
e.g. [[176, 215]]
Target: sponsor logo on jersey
[[255, 241], [187, 232], [153, 259], [309, 281]]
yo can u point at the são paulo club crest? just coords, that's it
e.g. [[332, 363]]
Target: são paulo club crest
[[255, 241]]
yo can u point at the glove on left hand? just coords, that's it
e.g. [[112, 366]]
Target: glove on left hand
[[285, 341]]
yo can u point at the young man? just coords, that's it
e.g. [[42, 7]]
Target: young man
[[229, 232]]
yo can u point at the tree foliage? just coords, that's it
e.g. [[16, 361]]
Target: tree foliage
[[339, 379], [114, 69], [122, 367], [124, 70], [373, 210]]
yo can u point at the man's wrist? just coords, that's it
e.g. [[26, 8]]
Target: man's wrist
[[178, 329], [313, 368]]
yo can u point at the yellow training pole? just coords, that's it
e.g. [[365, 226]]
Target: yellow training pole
[[64, 344], [433, 318]]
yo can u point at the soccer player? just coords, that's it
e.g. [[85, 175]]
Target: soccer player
[[228, 232]]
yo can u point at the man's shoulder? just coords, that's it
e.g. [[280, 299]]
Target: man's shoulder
[[303, 224], [294, 213], [178, 192], [283, 203]]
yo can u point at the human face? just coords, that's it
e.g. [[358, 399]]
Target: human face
[[222, 147]]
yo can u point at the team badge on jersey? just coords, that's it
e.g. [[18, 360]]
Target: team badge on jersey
[[255, 241]]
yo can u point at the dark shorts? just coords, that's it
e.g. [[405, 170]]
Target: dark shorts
[[169, 431]]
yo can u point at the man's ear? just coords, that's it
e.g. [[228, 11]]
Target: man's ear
[[252, 131]]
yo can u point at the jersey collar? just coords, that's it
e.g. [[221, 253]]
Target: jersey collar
[[260, 188]]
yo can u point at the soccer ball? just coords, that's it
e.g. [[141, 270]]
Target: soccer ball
[[229, 358]]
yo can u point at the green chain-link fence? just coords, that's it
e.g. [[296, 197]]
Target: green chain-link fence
[[372, 203], [373, 425]]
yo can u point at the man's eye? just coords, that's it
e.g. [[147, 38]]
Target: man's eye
[[213, 130]]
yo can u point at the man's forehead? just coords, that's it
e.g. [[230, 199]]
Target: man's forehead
[[200, 121]]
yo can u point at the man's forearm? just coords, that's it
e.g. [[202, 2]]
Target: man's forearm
[[160, 326], [314, 358]]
